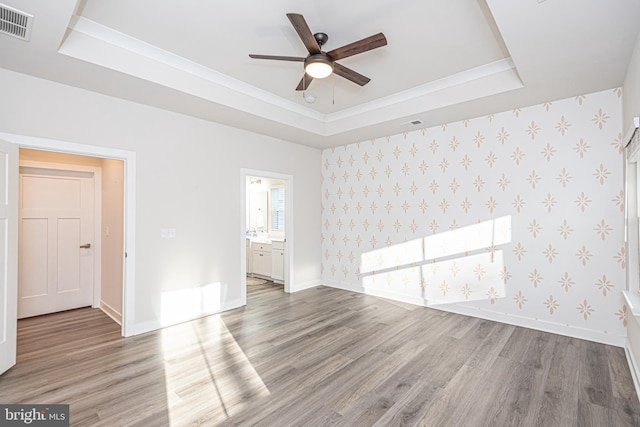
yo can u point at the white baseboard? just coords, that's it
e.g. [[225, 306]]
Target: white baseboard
[[539, 325], [633, 366], [510, 319], [306, 285], [376, 293], [111, 312], [153, 325]]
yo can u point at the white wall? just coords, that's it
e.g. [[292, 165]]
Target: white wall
[[384, 199], [112, 237], [188, 178]]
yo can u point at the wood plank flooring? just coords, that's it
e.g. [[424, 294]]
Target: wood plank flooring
[[319, 357]]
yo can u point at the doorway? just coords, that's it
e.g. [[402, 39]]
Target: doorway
[[71, 226], [128, 161], [9, 145], [266, 228]]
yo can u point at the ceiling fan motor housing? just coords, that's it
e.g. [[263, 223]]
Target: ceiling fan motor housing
[[321, 38]]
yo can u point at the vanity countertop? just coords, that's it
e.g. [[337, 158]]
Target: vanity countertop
[[265, 240], [261, 240]]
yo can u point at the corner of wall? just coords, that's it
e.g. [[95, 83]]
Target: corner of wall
[[111, 312], [156, 324], [553, 169], [297, 287]]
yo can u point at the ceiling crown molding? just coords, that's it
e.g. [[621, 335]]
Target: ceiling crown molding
[[95, 43]]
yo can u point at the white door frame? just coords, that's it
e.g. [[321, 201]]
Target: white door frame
[[97, 215], [129, 158], [9, 277], [288, 229]]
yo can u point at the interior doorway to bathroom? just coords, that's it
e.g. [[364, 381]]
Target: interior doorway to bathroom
[[266, 229]]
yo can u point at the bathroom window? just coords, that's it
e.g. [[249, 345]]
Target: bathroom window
[[277, 209]]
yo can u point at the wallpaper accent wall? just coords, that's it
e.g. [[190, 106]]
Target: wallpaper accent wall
[[516, 217]]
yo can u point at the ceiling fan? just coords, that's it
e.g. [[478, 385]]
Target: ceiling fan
[[319, 64]]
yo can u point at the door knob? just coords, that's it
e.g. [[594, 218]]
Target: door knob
[[85, 246]]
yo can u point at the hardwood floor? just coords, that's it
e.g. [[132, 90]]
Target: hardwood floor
[[319, 357]]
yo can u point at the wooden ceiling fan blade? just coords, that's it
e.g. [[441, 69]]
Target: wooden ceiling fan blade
[[304, 32], [278, 58], [349, 74], [304, 82], [369, 43]]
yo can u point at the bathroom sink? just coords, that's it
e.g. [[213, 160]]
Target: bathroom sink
[[261, 239]]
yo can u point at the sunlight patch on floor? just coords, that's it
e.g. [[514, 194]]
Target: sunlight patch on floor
[[208, 376]]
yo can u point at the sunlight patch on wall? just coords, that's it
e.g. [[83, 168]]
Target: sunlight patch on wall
[[454, 266], [463, 240], [181, 305], [392, 256], [407, 279], [472, 278]]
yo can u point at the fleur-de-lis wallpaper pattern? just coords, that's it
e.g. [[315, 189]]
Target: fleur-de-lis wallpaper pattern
[[554, 171]]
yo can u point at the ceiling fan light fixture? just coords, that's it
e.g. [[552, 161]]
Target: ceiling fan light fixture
[[318, 66]]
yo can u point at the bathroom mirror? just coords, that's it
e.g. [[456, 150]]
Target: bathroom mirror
[[258, 211]]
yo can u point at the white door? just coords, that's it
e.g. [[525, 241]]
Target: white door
[[56, 238], [8, 253]]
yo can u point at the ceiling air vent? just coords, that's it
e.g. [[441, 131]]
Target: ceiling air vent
[[15, 23], [414, 122]]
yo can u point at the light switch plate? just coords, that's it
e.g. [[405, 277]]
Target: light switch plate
[[168, 233]]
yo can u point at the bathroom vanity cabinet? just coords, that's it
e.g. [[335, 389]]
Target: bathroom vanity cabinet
[[265, 259], [277, 261], [261, 256]]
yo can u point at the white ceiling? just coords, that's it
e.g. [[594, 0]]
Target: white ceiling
[[446, 60]]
